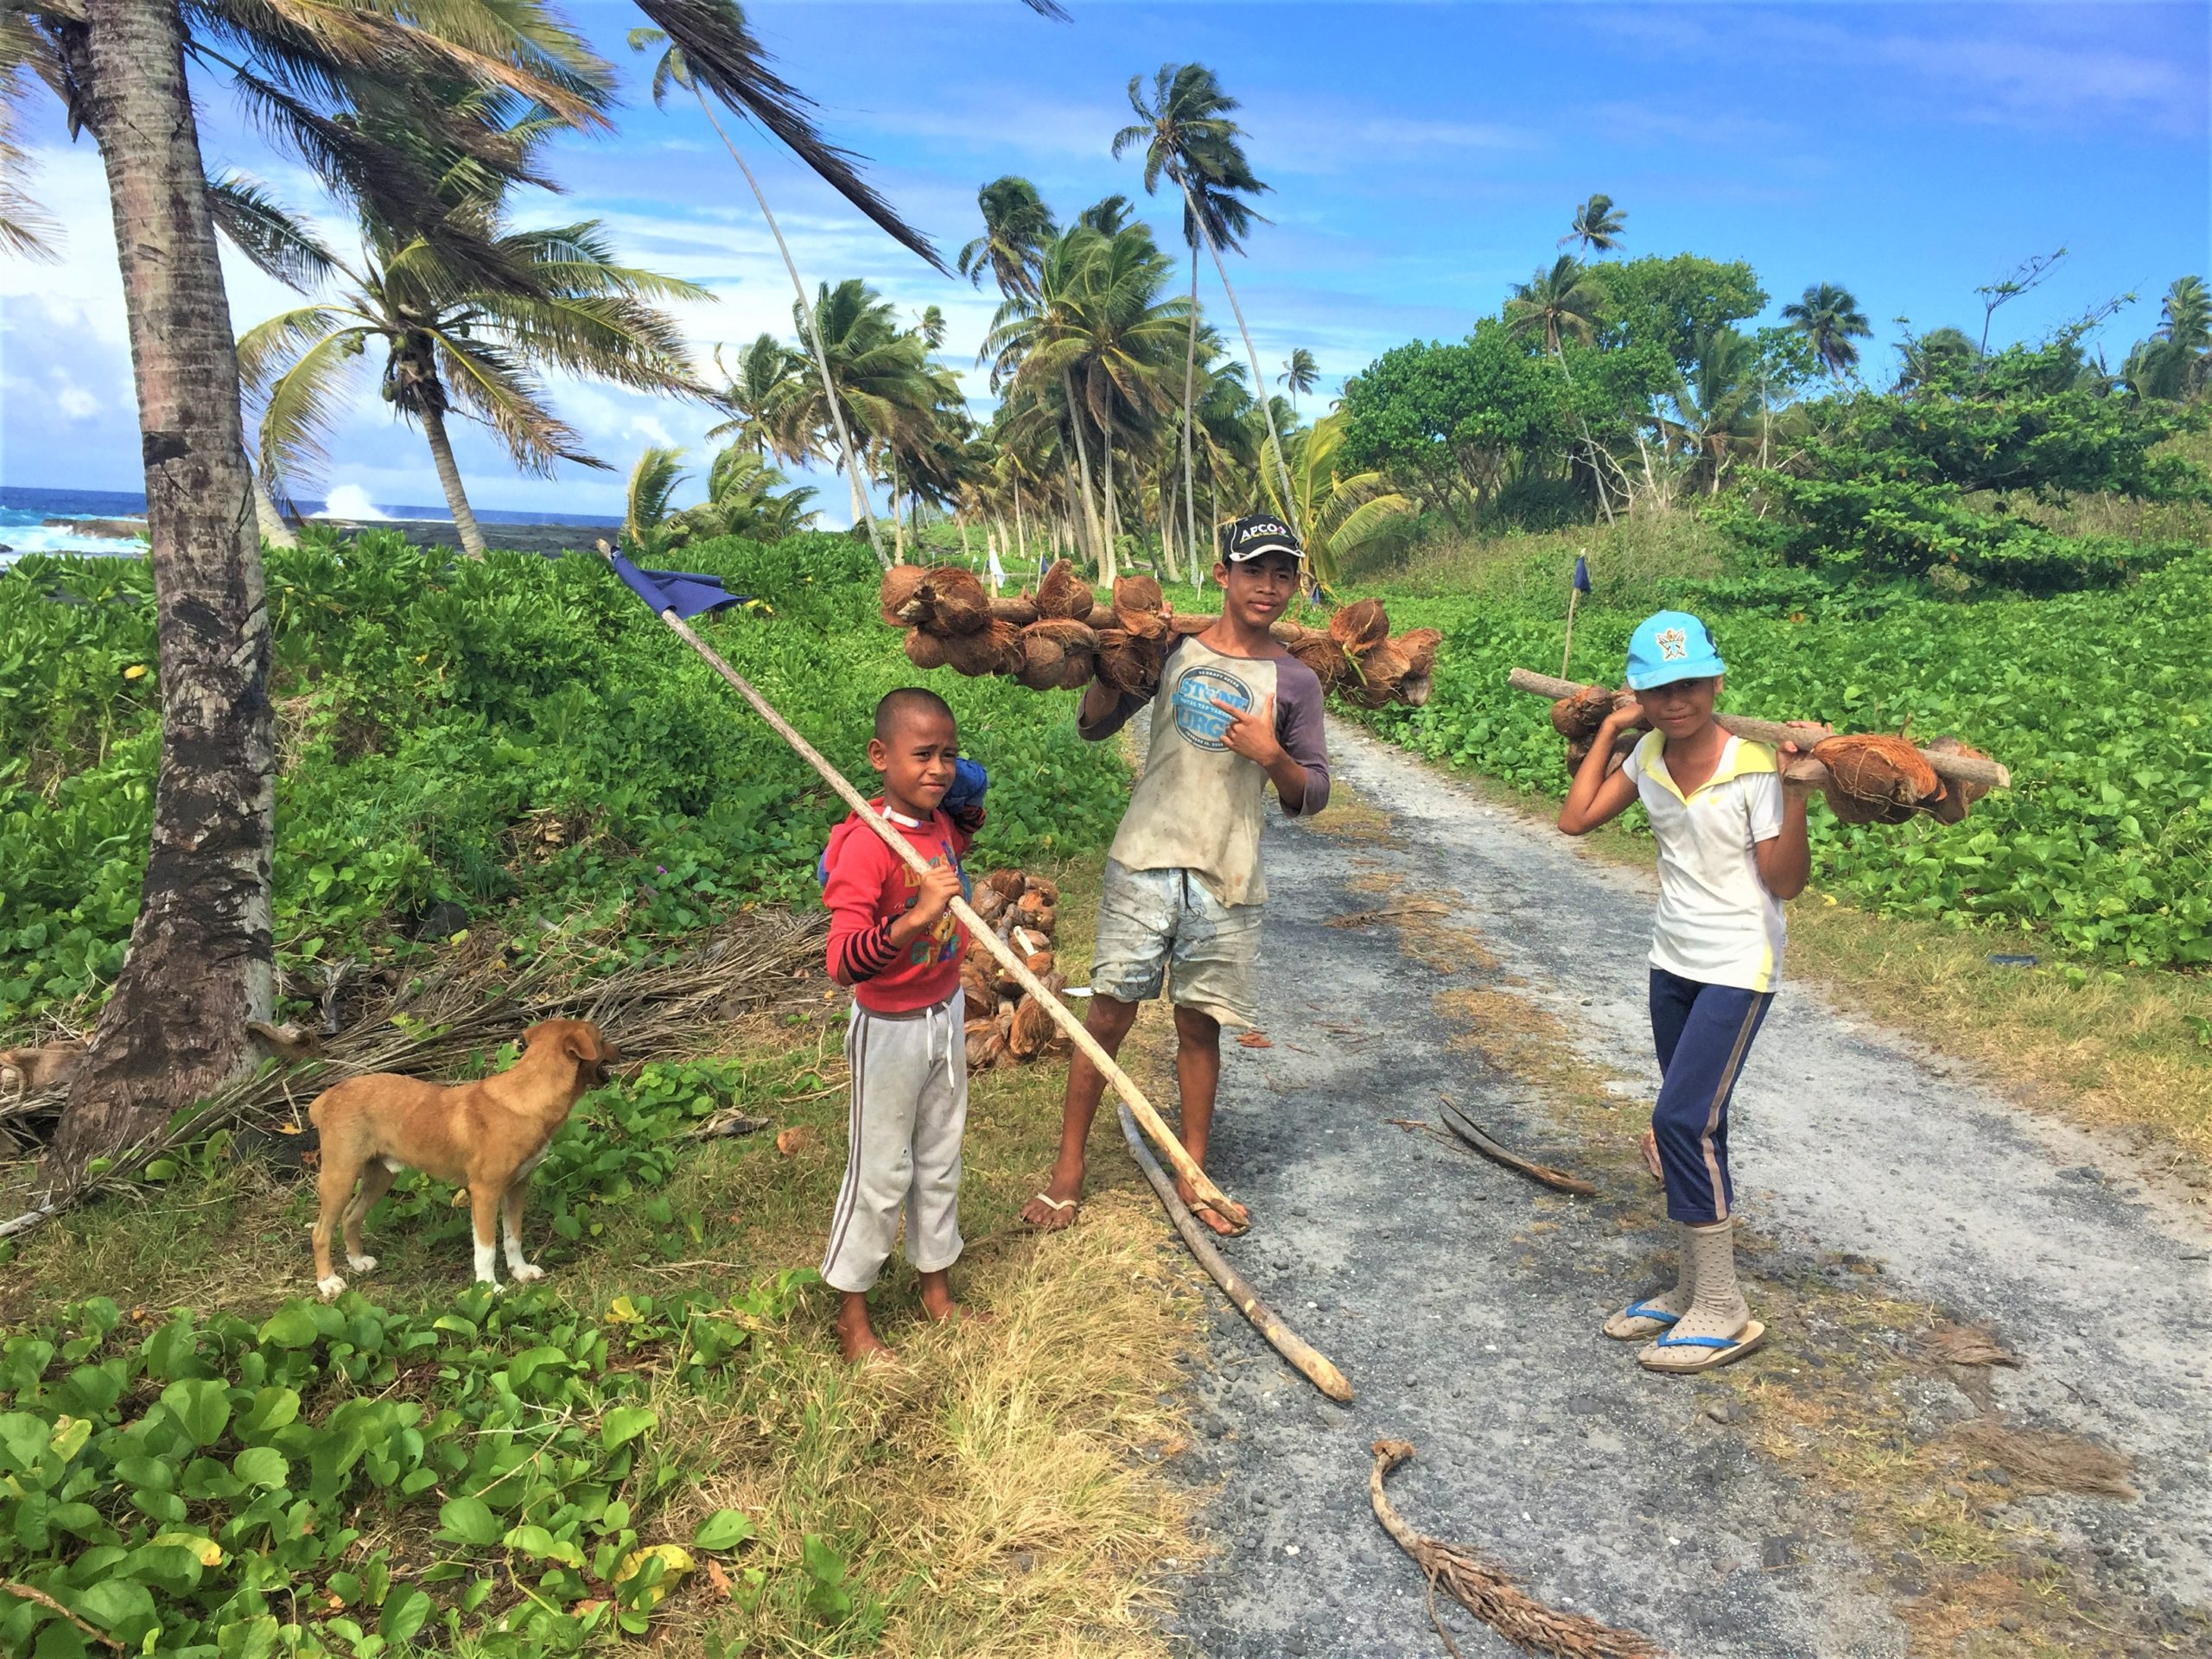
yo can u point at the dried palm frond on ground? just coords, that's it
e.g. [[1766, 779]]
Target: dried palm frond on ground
[[442, 1024], [2050, 1461], [1958, 1345], [1489, 1592]]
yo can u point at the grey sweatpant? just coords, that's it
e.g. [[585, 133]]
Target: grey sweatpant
[[910, 1105]]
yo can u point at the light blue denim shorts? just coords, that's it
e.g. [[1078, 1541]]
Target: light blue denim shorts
[[1164, 928]]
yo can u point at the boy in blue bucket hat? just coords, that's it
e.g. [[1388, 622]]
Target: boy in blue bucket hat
[[1732, 849]]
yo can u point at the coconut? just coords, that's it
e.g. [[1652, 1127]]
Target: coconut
[[1413, 690], [1875, 778], [1033, 910], [988, 903], [984, 1043], [959, 603], [1419, 645], [1137, 601], [1581, 714], [1374, 682], [1061, 593], [1048, 890], [975, 980], [902, 582], [1360, 626], [1043, 659], [925, 649], [1004, 1018], [1033, 1024], [1040, 963], [1952, 798], [1073, 637], [1128, 664], [1082, 668], [1325, 657], [995, 648], [1010, 883]]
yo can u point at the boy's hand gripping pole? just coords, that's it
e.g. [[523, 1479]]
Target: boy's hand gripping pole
[[1210, 1197]]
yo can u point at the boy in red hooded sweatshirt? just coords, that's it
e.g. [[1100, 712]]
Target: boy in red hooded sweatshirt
[[893, 939]]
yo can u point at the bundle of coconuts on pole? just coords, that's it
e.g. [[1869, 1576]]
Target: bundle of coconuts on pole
[[1006, 1026], [1059, 638], [1868, 777]]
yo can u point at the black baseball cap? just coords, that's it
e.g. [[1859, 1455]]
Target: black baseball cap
[[1258, 533]]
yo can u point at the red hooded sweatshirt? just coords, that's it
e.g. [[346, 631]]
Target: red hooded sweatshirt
[[867, 887]]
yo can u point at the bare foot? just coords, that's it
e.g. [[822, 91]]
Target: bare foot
[[939, 1304], [1226, 1227], [856, 1337], [1053, 1210]]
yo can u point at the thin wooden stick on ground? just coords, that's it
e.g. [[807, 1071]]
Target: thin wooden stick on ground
[[1309, 1361], [1210, 1196], [1961, 768], [1476, 1136], [1489, 1592]]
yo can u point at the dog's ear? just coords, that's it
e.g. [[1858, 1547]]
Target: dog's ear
[[577, 1043]]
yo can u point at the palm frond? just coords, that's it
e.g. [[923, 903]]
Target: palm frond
[[302, 405], [259, 227], [268, 347], [489, 385], [652, 484], [727, 61]]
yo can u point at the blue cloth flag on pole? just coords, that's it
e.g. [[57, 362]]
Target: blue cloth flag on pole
[[686, 593], [1581, 574]]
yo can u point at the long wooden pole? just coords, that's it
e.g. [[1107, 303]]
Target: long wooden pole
[[1959, 768], [1210, 1196], [1310, 1362]]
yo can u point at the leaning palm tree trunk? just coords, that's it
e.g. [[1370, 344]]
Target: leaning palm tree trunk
[[1259, 380], [464, 516], [270, 522], [1190, 377], [814, 336], [1083, 456], [202, 958]]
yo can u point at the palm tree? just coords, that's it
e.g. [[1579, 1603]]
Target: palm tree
[[1831, 319], [1016, 227], [1597, 225], [930, 324], [2176, 362], [1713, 401], [1342, 512], [756, 390], [744, 497], [1556, 303], [1926, 357], [1301, 374], [1188, 138], [450, 346], [201, 963], [2186, 314]]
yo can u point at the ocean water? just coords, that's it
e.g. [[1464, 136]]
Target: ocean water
[[24, 511]]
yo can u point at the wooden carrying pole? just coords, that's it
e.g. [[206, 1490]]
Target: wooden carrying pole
[[1210, 1196], [1309, 1361], [1957, 768]]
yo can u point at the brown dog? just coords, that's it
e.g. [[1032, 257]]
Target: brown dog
[[28, 1070], [489, 1134]]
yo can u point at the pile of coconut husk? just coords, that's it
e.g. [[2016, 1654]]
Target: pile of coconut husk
[[1004, 1025], [1868, 777], [1058, 637]]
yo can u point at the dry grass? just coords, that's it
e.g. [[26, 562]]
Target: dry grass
[[2044, 1461]]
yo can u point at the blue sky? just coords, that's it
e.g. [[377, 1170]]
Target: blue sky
[[1423, 158]]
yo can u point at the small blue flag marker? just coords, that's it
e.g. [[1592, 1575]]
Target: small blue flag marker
[[1575, 590], [1581, 574], [686, 592]]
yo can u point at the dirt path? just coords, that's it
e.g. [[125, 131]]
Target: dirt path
[[1815, 1499]]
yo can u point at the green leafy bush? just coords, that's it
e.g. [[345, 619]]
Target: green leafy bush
[[341, 1480], [2098, 702], [514, 735]]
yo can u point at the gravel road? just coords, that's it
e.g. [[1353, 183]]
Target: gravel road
[[1651, 1502]]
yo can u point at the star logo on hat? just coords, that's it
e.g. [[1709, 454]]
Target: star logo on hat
[[1674, 644]]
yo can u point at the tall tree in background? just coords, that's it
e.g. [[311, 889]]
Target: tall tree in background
[[1301, 374], [450, 346], [1556, 304], [202, 960], [1188, 137], [1596, 226], [755, 390], [1017, 226], [1830, 318]]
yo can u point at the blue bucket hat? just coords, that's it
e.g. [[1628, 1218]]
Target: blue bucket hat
[[1670, 646]]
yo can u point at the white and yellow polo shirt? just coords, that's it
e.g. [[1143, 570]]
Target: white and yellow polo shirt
[[1718, 923]]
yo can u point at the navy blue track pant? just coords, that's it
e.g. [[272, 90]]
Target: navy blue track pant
[[1704, 1034]]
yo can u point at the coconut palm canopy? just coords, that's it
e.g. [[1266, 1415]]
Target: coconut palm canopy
[[1831, 319]]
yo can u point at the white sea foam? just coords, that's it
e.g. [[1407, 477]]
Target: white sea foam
[[352, 501]]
